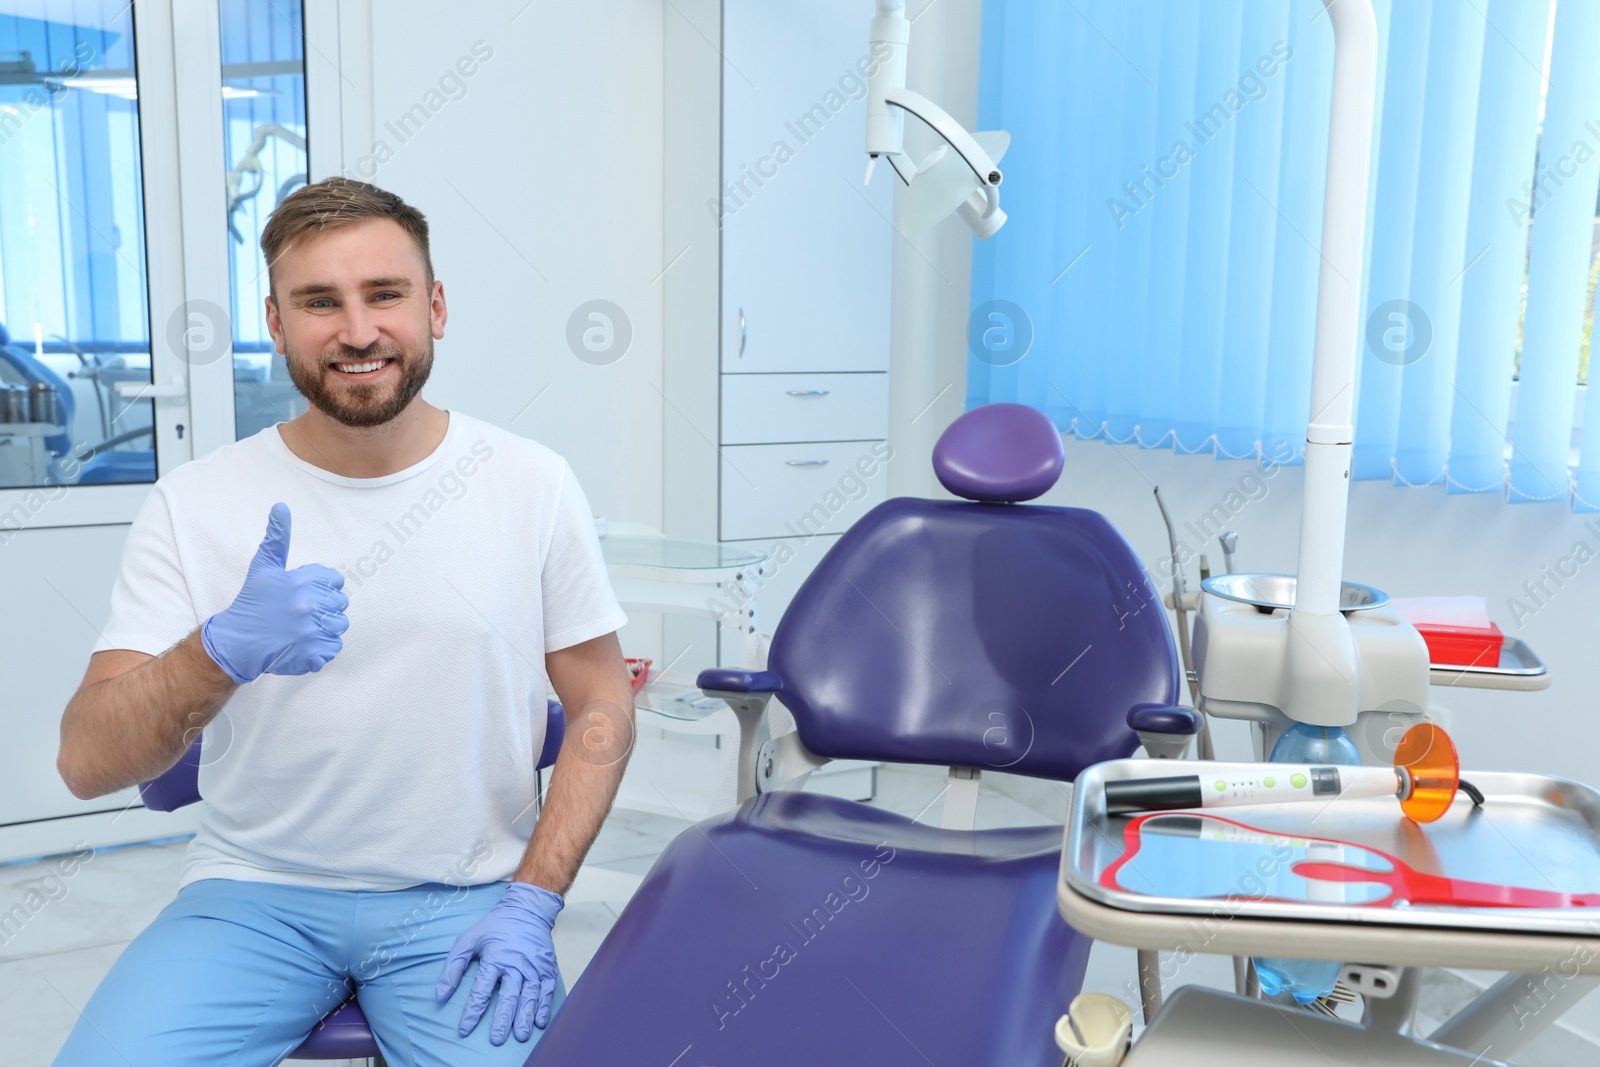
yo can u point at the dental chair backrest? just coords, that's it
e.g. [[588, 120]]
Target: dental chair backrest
[[983, 633], [179, 786]]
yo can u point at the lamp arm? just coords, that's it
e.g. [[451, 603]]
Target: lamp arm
[[956, 136], [1338, 333], [1321, 667], [888, 98]]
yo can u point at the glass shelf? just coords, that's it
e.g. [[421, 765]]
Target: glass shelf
[[664, 552], [677, 697]]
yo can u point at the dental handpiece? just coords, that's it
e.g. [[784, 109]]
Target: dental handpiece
[[1275, 783]]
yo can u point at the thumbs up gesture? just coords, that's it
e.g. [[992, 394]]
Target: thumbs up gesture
[[283, 621]]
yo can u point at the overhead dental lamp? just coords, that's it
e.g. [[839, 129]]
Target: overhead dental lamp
[[962, 175]]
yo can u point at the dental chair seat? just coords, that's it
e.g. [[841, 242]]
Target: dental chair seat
[[694, 971], [343, 1034]]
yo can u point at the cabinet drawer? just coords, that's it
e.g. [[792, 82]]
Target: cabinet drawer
[[763, 408], [802, 489]]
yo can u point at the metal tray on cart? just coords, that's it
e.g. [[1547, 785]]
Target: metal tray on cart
[[1533, 831], [1519, 668]]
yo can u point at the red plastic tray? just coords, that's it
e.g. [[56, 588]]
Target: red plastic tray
[[1463, 646]]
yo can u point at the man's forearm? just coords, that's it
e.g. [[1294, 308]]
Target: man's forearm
[[583, 784], [131, 727]]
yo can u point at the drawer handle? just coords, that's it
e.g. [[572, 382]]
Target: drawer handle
[[806, 462], [808, 392], [744, 333]]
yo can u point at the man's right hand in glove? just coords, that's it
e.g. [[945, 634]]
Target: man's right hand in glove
[[283, 621]]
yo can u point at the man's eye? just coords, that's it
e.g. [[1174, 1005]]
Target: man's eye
[[322, 302], [383, 296]]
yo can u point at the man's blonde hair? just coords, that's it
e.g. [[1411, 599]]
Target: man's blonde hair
[[335, 202]]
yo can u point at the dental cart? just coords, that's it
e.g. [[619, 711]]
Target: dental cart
[[1204, 883]]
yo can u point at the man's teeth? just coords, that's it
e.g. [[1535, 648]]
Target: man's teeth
[[360, 368]]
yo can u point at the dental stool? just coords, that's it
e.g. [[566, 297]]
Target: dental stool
[[343, 1033], [804, 929]]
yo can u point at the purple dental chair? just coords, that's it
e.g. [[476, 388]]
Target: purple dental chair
[[343, 1033], [802, 929]]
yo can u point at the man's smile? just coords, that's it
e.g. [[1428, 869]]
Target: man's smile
[[366, 369]]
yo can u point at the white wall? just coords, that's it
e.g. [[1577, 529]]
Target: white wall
[[932, 274], [542, 187], [542, 184]]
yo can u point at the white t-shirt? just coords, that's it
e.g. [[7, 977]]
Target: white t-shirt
[[410, 757]]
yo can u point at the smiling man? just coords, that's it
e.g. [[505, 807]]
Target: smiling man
[[371, 680]]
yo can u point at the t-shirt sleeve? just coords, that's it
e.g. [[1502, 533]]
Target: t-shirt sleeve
[[151, 609], [579, 604]]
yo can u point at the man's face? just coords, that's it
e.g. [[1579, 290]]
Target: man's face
[[355, 318]]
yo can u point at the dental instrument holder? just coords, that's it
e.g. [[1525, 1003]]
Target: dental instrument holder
[[1243, 655]]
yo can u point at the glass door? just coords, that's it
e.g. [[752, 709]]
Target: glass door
[[131, 290], [94, 378]]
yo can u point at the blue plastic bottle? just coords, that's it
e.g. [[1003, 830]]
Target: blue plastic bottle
[[1306, 980]]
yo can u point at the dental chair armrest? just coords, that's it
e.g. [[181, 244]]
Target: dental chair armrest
[[747, 693], [726, 679], [1165, 729], [1164, 719]]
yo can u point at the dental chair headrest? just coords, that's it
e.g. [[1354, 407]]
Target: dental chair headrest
[[999, 453], [5, 338]]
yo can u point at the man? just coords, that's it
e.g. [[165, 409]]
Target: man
[[371, 678]]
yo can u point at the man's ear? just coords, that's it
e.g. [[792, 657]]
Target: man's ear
[[438, 313], [275, 325]]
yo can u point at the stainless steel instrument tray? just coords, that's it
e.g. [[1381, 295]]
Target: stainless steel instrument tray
[[1519, 668], [1533, 831]]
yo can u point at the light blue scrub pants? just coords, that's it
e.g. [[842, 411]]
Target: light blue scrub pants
[[236, 974]]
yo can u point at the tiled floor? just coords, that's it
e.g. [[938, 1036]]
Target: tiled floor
[[52, 963]]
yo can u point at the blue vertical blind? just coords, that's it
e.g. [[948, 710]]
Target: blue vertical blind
[[1165, 189]]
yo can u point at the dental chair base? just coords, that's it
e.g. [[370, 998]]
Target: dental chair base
[[1200, 1026]]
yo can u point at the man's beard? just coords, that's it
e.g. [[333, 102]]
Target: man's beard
[[355, 404]]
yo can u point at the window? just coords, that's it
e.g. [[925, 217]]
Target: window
[[74, 297]]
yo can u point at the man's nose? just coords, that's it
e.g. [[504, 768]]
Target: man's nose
[[358, 327]]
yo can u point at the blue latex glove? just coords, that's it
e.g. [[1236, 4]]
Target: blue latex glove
[[513, 947], [282, 621]]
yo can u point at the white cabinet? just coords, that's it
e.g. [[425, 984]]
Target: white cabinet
[[777, 309], [776, 302], [804, 407], [806, 249], [797, 491]]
